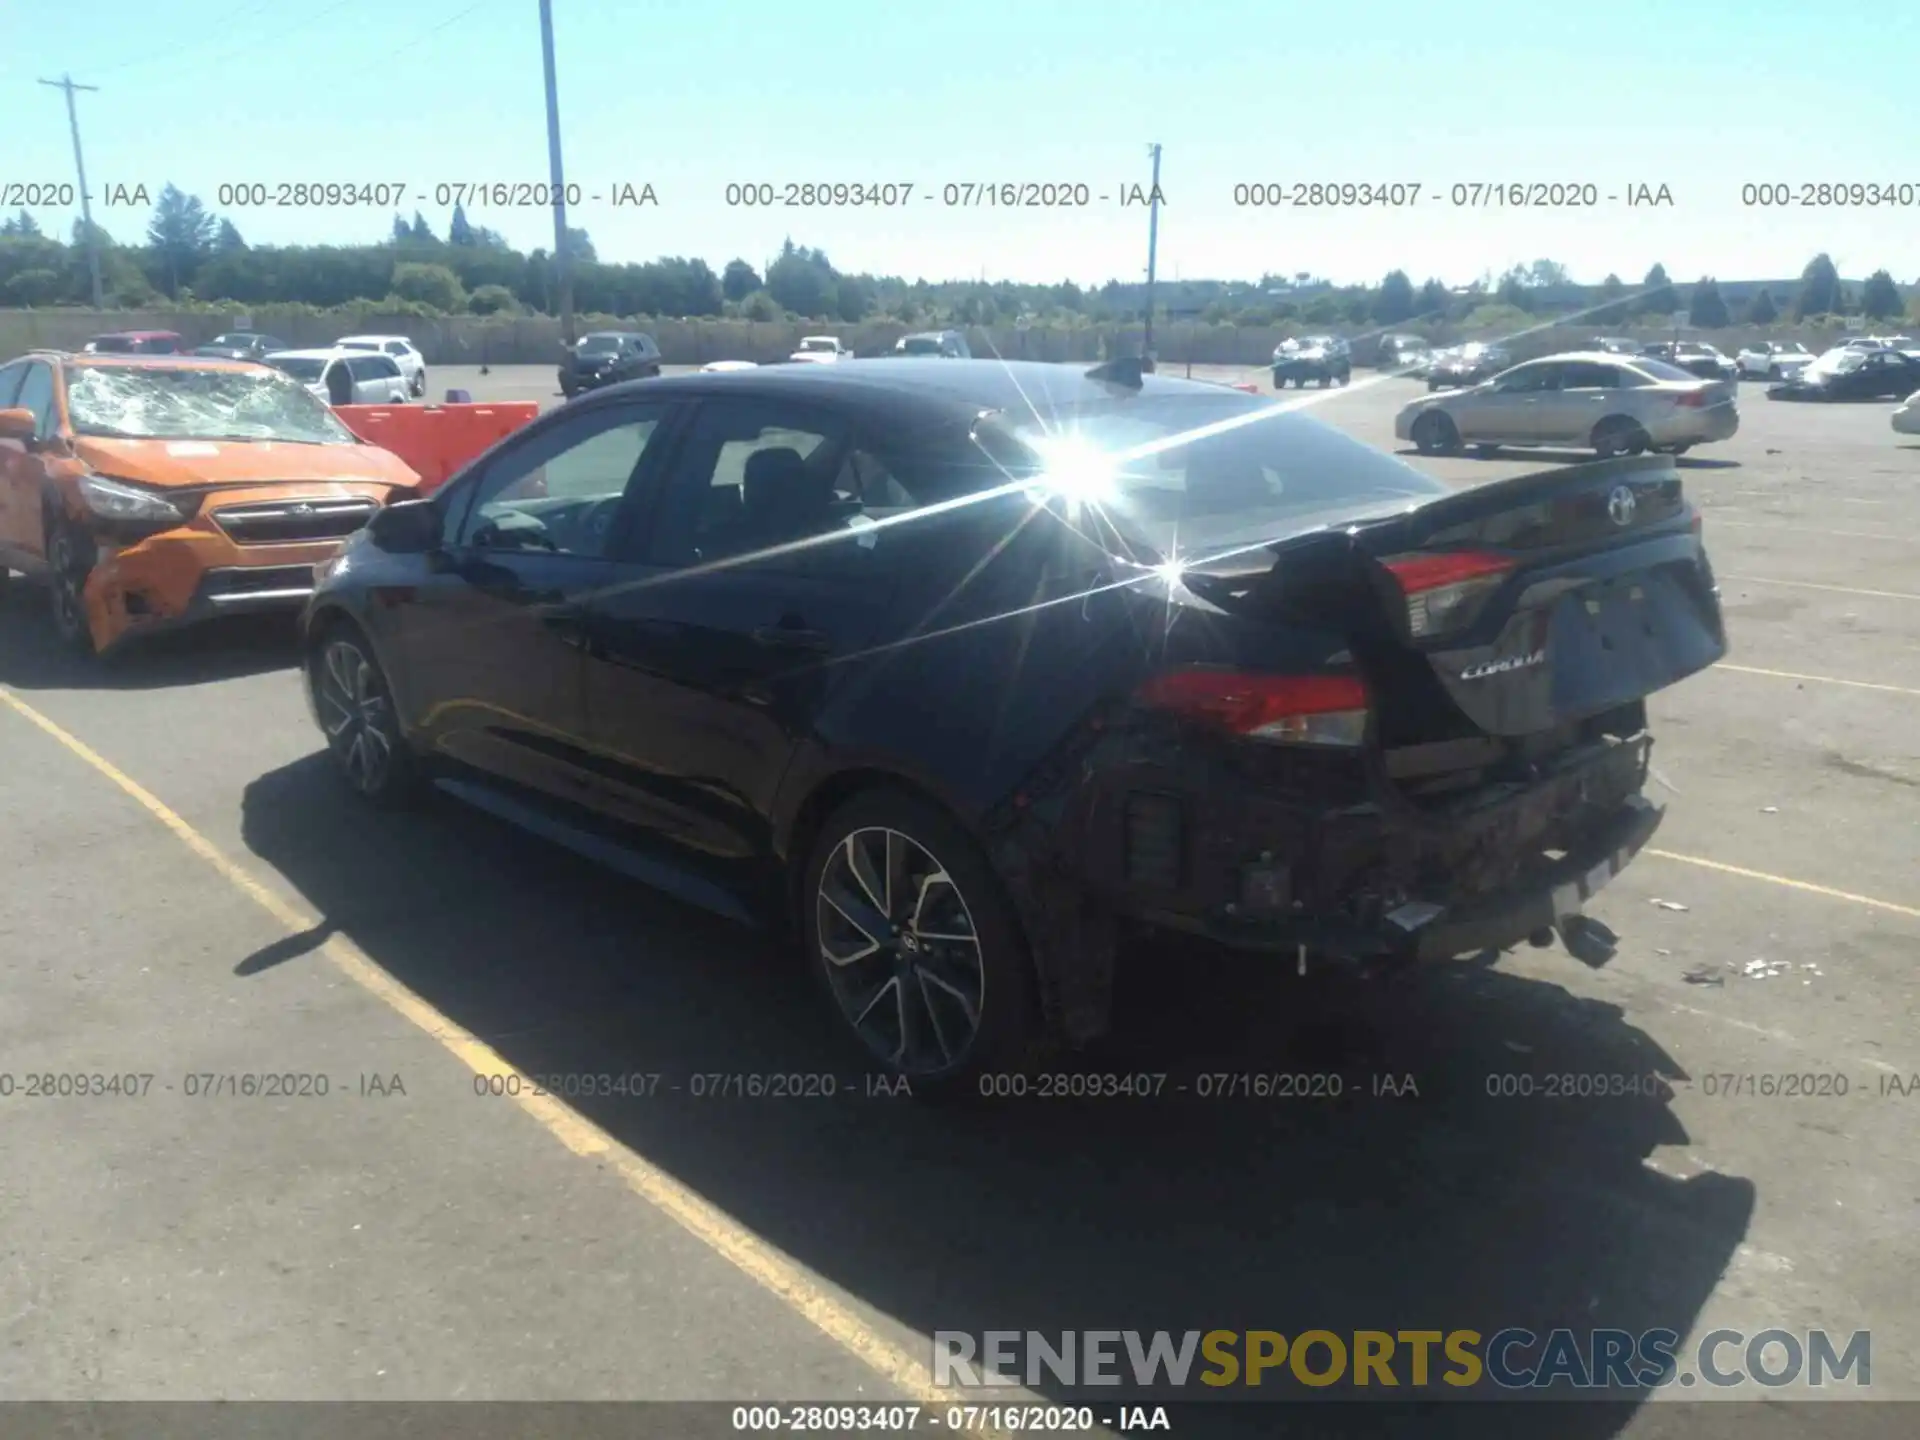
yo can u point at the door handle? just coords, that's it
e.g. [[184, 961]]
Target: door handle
[[792, 637], [570, 626]]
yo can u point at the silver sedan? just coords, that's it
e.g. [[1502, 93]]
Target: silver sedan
[[1614, 404]]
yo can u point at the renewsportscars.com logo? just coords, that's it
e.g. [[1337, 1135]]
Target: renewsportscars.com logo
[[1374, 1360]]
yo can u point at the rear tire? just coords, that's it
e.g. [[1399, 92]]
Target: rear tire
[[419, 386], [1617, 435], [1486, 452], [916, 947], [1773, 372], [358, 718], [1435, 434]]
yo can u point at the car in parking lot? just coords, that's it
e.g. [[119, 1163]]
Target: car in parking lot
[[821, 350], [1906, 415], [345, 377], [404, 353], [1846, 373], [240, 345], [1613, 404], [1612, 345], [1466, 365], [151, 492], [933, 345], [1773, 359], [607, 357], [770, 640], [135, 342], [1323, 359], [1696, 358]]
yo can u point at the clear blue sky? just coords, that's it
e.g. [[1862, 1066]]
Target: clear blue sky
[[1699, 95]]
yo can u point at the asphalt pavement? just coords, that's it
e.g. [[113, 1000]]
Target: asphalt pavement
[[191, 901]]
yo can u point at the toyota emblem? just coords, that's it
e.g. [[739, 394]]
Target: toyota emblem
[[302, 508], [1620, 505]]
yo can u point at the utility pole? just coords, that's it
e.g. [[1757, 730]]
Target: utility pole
[[1153, 247], [562, 252], [65, 82]]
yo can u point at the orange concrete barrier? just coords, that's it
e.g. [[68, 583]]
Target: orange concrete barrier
[[436, 440]]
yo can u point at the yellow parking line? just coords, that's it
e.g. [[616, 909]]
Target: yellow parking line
[[1836, 589], [747, 1252], [1807, 885], [1817, 679]]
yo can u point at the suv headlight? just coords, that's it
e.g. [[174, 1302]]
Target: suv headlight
[[116, 500]]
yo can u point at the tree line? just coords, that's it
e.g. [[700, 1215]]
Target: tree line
[[190, 257]]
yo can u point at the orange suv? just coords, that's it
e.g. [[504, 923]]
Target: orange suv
[[154, 491]]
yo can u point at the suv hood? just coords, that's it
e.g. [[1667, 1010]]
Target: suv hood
[[176, 463]]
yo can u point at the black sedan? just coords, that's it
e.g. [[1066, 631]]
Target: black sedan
[[1696, 359], [960, 672], [608, 357], [241, 345], [1853, 375]]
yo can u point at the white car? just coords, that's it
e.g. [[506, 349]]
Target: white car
[[721, 367], [1906, 415], [821, 350], [405, 354], [1772, 361], [346, 377]]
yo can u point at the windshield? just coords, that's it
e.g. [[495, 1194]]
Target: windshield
[[185, 404], [299, 366], [1837, 362], [817, 344], [359, 344], [920, 346], [233, 342], [1254, 472], [599, 344]]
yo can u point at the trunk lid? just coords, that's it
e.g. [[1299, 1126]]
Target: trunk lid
[[1514, 609]]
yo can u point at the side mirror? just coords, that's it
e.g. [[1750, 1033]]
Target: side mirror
[[409, 527], [21, 425]]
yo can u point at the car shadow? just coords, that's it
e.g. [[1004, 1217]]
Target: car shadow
[[32, 657], [1438, 1201]]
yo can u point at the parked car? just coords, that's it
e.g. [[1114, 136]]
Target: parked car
[[607, 357], [1416, 364], [135, 342], [151, 493], [1849, 374], [1466, 365], [346, 377], [1392, 350], [1906, 415], [1323, 359], [1614, 404], [934, 344], [720, 367], [240, 345], [821, 350], [833, 699], [1611, 345], [1774, 359], [1695, 358], [405, 354]]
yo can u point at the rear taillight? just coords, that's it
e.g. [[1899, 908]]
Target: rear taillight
[[1444, 588], [1692, 399], [1284, 709]]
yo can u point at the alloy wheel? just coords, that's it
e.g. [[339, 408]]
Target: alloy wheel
[[355, 714], [901, 953]]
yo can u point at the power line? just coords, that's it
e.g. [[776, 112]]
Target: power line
[[222, 31], [66, 83]]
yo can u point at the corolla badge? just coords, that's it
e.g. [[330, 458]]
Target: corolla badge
[[1620, 505], [1501, 666]]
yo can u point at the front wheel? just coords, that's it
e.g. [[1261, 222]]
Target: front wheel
[[356, 712], [920, 953], [1619, 436], [1773, 372], [70, 560]]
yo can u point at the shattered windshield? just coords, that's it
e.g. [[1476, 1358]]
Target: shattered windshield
[[186, 404]]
